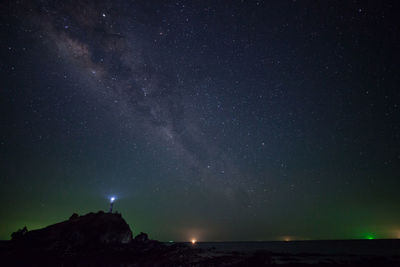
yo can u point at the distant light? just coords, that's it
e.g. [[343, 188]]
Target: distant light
[[370, 237], [104, 15], [112, 199], [194, 241]]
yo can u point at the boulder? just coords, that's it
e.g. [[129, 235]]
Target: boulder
[[142, 237], [19, 234], [74, 216]]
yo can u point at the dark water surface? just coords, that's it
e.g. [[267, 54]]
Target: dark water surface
[[381, 247]]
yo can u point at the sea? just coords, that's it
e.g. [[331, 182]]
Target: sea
[[376, 247]]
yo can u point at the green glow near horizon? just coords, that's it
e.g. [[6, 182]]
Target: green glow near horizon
[[369, 236]]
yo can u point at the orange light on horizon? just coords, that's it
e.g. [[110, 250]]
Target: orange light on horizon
[[194, 241], [287, 238]]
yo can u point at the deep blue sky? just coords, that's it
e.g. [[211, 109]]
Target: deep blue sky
[[207, 120]]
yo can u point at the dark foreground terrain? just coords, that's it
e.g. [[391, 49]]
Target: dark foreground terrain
[[105, 239]]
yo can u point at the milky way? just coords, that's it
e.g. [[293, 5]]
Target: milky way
[[119, 64]]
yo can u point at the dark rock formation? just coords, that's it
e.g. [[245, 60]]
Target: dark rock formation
[[81, 231], [142, 237], [18, 235], [94, 239], [74, 216]]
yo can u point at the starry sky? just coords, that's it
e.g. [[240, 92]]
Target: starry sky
[[214, 120]]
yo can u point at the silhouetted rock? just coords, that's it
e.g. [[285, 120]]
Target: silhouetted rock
[[94, 239], [18, 235], [142, 237], [91, 229], [74, 216]]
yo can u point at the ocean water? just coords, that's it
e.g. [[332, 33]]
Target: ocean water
[[381, 247]]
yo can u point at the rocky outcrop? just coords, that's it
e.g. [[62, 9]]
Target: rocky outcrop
[[18, 235], [81, 231], [94, 239], [142, 237]]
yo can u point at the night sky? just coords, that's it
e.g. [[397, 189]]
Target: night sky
[[214, 120]]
